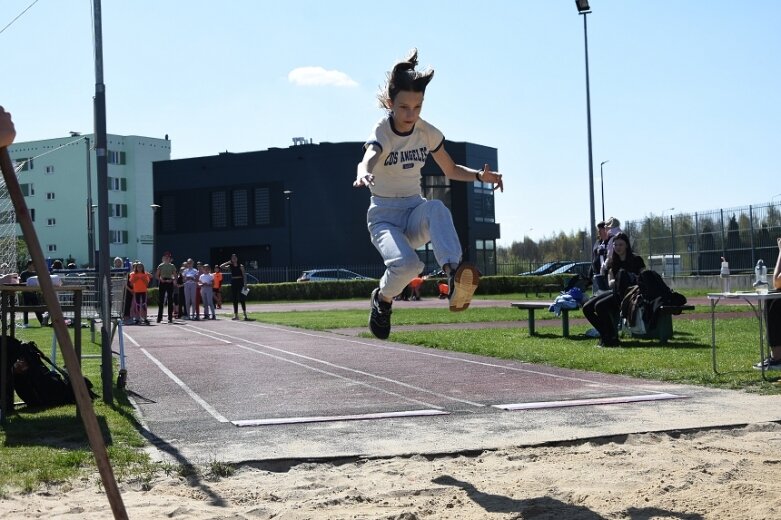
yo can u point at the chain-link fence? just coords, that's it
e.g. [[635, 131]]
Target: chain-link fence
[[694, 243]]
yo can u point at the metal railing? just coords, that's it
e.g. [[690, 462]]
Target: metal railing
[[694, 243]]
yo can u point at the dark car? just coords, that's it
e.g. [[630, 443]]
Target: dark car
[[547, 268], [581, 268], [329, 275]]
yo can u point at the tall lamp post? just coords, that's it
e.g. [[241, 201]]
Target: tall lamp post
[[288, 196], [602, 187], [584, 9]]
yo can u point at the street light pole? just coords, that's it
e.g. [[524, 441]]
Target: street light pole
[[584, 9], [90, 212], [602, 186]]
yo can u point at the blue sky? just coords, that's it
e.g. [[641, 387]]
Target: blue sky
[[684, 93]]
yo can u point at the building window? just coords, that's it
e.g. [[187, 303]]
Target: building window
[[118, 236], [28, 190], [50, 195], [25, 162], [262, 207], [219, 209], [52, 248], [437, 187], [32, 214], [484, 202], [117, 184], [115, 157], [485, 256], [51, 221], [117, 210], [49, 170], [240, 209]]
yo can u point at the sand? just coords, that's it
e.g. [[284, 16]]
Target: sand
[[712, 474]]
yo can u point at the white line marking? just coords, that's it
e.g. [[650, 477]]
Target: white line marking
[[588, 402], [348, 369], [359, 417], [206, 406], [336, 337], [355, 381]]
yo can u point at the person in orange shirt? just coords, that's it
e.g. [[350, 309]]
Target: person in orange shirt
[[415, 284], [217, 275], [139, 280]]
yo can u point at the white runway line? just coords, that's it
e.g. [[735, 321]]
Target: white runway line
[[348, 369], [206, 406], [588, 402], [390, 346], [354, 381], [325, 418]]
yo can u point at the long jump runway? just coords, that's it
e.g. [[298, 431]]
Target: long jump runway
[[237, 391]]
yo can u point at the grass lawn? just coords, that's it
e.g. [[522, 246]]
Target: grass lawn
[[43, 447]]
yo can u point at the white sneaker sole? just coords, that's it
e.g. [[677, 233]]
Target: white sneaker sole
[[465, 284]]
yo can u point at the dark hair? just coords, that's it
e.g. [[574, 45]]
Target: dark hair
[[614, 258], [404, 77]]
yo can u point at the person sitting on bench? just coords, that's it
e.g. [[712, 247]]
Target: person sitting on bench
[[623, 267]]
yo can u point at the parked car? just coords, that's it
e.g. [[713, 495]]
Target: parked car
[[547, 268], [329, 275], [581, 268]]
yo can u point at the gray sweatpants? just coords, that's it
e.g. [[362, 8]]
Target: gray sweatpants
[[398, 226], [207, 299], [189, 298]]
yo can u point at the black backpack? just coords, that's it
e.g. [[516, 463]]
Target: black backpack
[[38, 381]]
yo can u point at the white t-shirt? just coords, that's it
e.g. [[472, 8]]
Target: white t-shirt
[[402, 156], [206, 279]]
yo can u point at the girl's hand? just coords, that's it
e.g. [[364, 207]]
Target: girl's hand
[[366, 180], [779, 243], [493, 177]]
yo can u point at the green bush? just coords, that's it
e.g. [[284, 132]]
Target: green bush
[[344, 289]]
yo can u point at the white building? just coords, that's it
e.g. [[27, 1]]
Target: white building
[[61, 188]]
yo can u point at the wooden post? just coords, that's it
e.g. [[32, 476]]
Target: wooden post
[[83, 401]]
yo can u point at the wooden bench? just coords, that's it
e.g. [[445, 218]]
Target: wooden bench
[[664, 323], [532, 306]]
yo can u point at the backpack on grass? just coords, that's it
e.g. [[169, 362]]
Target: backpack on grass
[[38, 381]]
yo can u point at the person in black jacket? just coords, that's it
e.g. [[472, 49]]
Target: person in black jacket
[[623, 268]]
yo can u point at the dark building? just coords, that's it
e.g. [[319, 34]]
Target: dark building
[[285, 210]]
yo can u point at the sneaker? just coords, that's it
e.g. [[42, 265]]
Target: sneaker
[[769, 364], [609, 343], [379, 317], [160, 319], [463, 284]]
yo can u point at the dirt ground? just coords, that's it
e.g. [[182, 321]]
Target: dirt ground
[[713, 474]]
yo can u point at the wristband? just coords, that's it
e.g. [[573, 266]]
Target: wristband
[[477, 176]]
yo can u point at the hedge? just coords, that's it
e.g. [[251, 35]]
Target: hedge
[[344, 289]]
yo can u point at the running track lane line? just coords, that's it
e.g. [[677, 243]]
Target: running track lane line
[[435, 355], [434, 410], [195, 397], [346, 369]]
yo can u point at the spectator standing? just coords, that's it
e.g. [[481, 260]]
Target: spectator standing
[[166, 278], [217, 274], [238, 281], [190, 277], [139, 280], [206, 282]]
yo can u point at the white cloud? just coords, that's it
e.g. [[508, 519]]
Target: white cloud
[[318, 77]]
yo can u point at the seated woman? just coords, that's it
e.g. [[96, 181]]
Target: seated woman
[[773, 321], [622, 267]]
